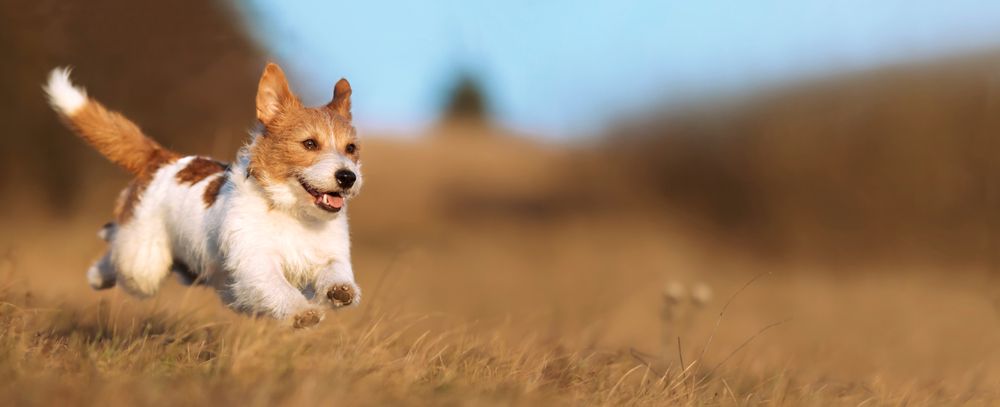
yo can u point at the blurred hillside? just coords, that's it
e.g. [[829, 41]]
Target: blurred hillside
[[184, 70], [902, 160], [896, 162]]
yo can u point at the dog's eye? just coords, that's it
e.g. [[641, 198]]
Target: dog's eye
[[310, 144], [351, 148]]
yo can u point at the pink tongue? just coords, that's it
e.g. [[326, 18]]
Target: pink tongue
[[333, 201]]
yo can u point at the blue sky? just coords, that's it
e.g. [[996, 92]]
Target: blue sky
[[562, 68]]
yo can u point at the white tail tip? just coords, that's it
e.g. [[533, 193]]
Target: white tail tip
[[63, 96]]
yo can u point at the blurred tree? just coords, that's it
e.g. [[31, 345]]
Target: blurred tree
[[467, 101]]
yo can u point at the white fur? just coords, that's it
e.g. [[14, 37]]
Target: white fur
[[288, 194], [62, 94], [262, 259], [318, 174]]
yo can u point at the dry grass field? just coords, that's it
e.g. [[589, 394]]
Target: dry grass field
[[832, 243], [491, 277]]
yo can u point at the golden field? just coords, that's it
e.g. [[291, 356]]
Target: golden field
[[484, 287], [830, 243]]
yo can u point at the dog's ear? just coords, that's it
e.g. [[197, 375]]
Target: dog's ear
[[341, 102], [273, 95]]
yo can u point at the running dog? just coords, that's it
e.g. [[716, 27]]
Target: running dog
[[268, 232]]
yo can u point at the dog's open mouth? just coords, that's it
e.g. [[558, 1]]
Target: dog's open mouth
[[327, 201]]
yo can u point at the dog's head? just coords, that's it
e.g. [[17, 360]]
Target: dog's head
[[307, 159]]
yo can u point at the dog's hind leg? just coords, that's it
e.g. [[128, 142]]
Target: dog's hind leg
[[141, 256], [101, 275]]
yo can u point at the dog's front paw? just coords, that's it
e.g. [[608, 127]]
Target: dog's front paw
[[342, 295], [307, 318]]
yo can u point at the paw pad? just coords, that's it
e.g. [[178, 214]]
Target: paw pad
[[341, 295], [306, 319]]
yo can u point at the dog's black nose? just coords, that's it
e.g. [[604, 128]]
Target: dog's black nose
[[345, 178]]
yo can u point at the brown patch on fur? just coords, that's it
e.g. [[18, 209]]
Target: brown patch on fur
[[120, 140], [213, 188], [198, 169], [129, 199]]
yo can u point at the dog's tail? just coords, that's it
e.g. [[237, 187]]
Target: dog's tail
[[110, 133]]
